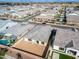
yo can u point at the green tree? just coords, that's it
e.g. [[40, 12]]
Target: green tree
[[57, 17]]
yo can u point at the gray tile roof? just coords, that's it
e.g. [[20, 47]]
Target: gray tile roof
[[33, 31], [2, 23], [64, 37], [73, 18], [19, 29], [40, 33]]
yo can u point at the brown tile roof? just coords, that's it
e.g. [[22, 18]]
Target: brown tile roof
[[13, 53], [30, 47]]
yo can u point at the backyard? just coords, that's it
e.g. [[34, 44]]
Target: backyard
[[63, 56]]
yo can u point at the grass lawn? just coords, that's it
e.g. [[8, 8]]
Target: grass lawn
[[65, 57]]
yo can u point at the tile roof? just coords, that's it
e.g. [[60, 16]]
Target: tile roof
[[19, 29], [73, 18], [30, 47], [64, 37], [40, 33]]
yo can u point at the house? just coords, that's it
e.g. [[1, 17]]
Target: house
[[19, 29], [45, 17], [9, 24], [18, 54], [36, 41], [67, 40], [73, 18], [5, 24], [12, 53]]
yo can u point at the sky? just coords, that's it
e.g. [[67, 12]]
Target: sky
[[39, 0]]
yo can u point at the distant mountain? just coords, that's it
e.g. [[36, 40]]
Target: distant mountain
[[39, 0]]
